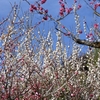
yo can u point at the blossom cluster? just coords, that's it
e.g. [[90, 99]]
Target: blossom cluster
[[34, 66]]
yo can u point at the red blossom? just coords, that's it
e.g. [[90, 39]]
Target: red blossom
[[62, 5], [31, 9], [80, 31], [40, 8], [46, 11], [79, 6], [43, 1], [90, 35], [61, 0], [62, 9], [32, 6], [67, 34], [91, 95], [61, 13], [70, 9], [96, 6], [96, 26], [67, 10], [63, 26], [45, 17], [75, 1]]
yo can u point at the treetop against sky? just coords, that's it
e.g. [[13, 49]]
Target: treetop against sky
[[30, 68], [52, 6], [59, 10]]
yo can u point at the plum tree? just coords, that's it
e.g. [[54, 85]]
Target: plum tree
[[31, 68]]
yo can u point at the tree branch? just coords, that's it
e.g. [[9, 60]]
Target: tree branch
[[95, 12], [85, 42]]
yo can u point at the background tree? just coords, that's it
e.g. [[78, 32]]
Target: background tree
[[31, 69]]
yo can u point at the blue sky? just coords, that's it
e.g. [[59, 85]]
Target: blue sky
[[53, 7]]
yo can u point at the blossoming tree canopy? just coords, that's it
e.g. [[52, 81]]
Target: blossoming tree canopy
[[35, 65], [65, 10]]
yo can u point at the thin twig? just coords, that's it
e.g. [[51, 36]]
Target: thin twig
[[95, 12]]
